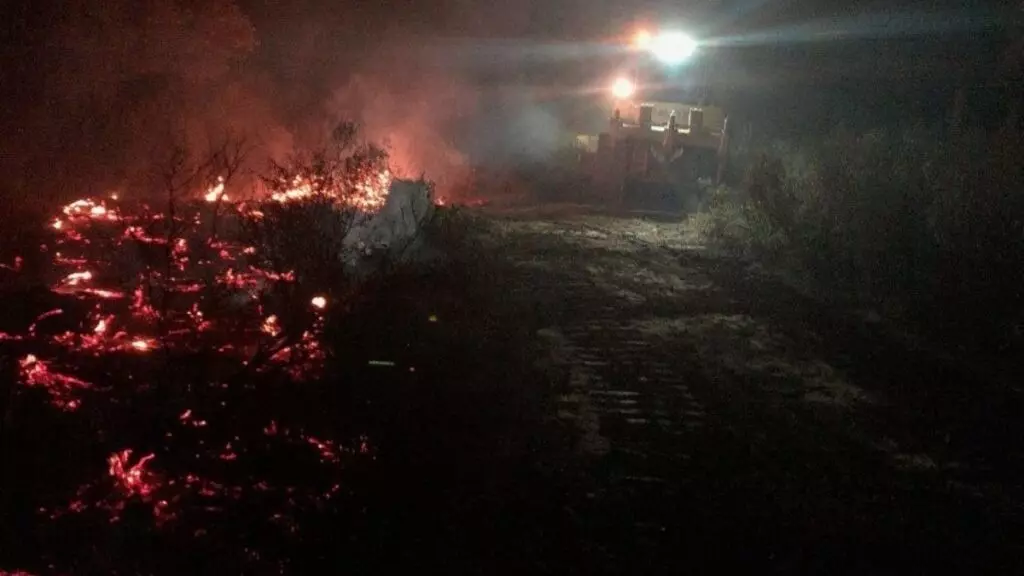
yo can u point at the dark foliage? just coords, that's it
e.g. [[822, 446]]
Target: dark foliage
[[930, 222]]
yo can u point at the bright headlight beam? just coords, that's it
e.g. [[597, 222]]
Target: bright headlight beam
[[623, 88], [642, 39], [673, 47]]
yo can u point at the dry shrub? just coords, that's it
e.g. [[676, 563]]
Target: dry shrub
[[914, 215], [305, 236]]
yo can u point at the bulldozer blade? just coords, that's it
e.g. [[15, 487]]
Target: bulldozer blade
[[653, 197]]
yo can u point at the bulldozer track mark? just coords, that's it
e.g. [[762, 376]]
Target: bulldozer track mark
[[704, 391], [627, 393]]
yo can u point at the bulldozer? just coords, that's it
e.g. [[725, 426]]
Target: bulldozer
[[649, 159], [655, 155]]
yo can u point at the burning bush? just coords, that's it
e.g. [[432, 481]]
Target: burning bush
[[352, 174], [316, 198]]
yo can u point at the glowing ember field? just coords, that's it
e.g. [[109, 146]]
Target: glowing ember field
[[141, 284], [140, 302], [195, 408]]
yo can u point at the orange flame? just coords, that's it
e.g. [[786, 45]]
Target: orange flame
[[371, 191], [216, 192]]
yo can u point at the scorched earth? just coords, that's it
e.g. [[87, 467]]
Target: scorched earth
[[568, 393]]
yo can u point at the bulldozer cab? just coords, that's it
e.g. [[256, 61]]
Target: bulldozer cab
[[656, 155], [710, 118]]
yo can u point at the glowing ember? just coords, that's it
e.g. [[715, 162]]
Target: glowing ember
[[88, 208], [105, 294], [198, 320], [44, 316], [76, 278], [228, 454], [270, 326], [137, 233], [77, 207], [59, 258], [319, 302], [179, 254], [328, 451], [57, 224], [61, 387], [143, 345], [140, 308], [135, 479]]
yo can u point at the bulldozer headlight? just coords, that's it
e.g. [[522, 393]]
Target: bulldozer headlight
[[672, 47], [642, 39], [623, 88]]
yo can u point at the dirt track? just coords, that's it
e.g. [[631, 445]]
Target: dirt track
[[729, 421]]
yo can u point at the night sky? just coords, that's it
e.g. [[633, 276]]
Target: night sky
[[94, 93]]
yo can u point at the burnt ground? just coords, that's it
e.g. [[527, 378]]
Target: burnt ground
[[580, 394], [731, 422]]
